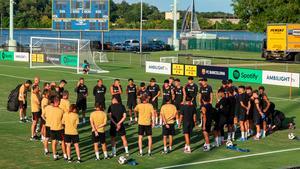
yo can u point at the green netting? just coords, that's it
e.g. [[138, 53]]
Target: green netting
[[225, 44]]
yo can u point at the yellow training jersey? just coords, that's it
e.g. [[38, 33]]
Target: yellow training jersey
[[99, 118], [64, 105], [168, 111], [145, 112], [71, 121]]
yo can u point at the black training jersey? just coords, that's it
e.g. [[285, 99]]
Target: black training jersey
[[244, 98], [232, 104], [116, 90], [223, 106], [142, 93], [117, 111], [99, 93], [188, 111], [167, 93], [191, 90], [60, 91], [205, 91], [153, 91], [255, 110], [81, 91], [178, 92], [131, 92]]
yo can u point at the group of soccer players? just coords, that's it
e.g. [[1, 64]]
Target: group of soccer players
[[235, 106]]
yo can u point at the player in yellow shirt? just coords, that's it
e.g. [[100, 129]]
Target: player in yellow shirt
[[22, 98], [70, 121], [146, 116], [64, 102], [98, 120], [168, 114], [56, 127], [44, 104], [35, 110], [46, 115]]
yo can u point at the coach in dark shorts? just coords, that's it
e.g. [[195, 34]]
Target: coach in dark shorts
[[153, 91], [82, 93], [117, 114], [188, 116], [99, 93]]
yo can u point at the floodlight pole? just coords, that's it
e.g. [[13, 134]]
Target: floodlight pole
[[141, 32], [11, 43], [175, 41]]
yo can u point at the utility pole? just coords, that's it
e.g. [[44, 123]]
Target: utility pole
[[175, 41], [141, 29], [11, 43]]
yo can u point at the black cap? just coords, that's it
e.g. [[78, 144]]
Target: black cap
[[167, 81], [190, 78]]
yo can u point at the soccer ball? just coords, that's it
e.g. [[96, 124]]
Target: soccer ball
[[122, 160], [229, 143], [291, 136]]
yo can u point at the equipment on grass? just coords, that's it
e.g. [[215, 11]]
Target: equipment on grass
[[235, 148], [132, 162], [46, 52], [169, 59], [291, 136], [229, 143], [122, 160], [13, 99], [100, 57], [204, 62]]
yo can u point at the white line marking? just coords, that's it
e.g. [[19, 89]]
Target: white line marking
[[230, 158]]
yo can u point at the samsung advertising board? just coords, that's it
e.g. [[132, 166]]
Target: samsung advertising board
[[158, 68], [213, 72], [281, 78]]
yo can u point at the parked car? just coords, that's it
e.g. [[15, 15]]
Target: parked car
[[132, 42], [118, 46]]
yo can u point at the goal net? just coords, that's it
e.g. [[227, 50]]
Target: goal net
[[169, 59], [204, 62], [100, 57], [46, 52]]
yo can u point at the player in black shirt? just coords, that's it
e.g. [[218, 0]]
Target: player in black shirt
[[82, 93], [179, 95], [265, 108], [117, 115], [191, 90], [154, 92], [249, 120], [99, 93], [188, 117], [221, 115], [61, 88], [131, 92], [116, 90], [244, 111], [167, 92], [142, 92], [223, 87], [258, 114], [230, 117], [207, 111], [205, 91]]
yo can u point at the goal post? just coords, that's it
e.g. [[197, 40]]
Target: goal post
[[47, 52]]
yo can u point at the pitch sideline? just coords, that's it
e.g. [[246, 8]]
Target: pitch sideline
[[230, 158]]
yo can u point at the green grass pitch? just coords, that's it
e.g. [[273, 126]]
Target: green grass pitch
[[18, 152]]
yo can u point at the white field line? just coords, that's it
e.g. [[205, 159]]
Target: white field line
[[250, 64], [111, 77], [230, 158]]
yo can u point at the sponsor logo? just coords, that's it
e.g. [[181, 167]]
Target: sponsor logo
[[158, 67], [213, 72], [245, 75], [281, 78], [277, 30]]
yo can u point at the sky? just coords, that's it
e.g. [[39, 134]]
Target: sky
[[201, 5]]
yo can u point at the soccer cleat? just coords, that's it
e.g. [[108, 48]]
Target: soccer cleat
[[69, 161], [78, 161], [206, 148], [186, 151], [55, 158], [127, 154], [242, 139], [46, 153], [139, 154], [164, 152], [256, 138], [97, 159], [34, 138], [106, 158], [22, 121], [149, 154]]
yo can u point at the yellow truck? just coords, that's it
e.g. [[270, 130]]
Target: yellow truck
[[282, 42]]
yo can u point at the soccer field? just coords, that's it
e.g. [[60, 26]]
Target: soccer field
[[17, 151]]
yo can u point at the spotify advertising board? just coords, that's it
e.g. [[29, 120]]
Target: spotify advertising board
[[245, 75]]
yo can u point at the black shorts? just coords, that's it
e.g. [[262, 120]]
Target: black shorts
[[154, 104], [36, 115], [178, 106], [188, 128], [207, 125], [101, 103], [71, 138], [22, 105], [131, 104], [48, 132], [230, 120], [242, 116], [145, 130], [57, 135], [81, 105], [100, 138], [113, 131], [219, 125], [257, 120], [168, 131], [250, 115]]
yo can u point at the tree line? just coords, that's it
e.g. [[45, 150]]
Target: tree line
[[254, 15]]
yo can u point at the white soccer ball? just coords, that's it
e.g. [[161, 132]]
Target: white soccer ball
[[229, 143], [291, 136], [122, 160]]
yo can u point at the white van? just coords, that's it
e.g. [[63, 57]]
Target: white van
[[132, 42]]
